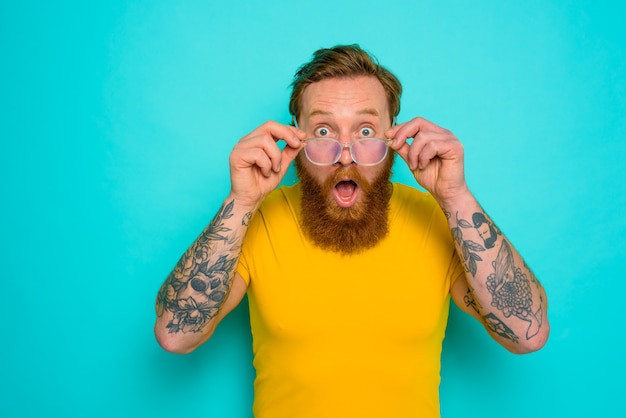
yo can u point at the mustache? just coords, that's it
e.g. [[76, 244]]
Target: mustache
[[342, 173]]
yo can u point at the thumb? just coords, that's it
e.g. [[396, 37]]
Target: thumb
[[391, 132], [403, 152], [288, 154]]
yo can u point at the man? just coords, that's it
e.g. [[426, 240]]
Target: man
[[349, 276]]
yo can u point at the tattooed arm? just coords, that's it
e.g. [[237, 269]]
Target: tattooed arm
[[497, 288], [204, 286]]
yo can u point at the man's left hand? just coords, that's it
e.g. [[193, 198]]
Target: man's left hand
[[435, 157]]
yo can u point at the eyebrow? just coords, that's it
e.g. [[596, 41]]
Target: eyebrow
[[366, 111], [318, 112]]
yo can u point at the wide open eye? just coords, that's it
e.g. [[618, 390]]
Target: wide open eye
[[366, 132], [322, 132]]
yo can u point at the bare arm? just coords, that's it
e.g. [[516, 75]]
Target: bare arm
[[204, 286], [202, 289], [498, 288]]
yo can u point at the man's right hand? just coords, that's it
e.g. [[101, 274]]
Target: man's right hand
[[257, 165]]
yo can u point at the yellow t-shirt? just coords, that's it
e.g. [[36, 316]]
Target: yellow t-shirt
[[348, 336]]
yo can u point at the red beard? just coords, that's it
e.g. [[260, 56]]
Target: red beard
[[345, 230]]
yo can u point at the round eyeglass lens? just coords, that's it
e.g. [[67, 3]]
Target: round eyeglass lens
[[369, 151], [322, 151]]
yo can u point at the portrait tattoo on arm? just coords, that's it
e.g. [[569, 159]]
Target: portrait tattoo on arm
[[486, 229], [195, 291]]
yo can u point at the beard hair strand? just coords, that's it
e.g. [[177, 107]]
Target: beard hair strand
[[350, 230]]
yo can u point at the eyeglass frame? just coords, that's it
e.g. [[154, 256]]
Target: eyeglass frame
[[348, 145], [344, 145]]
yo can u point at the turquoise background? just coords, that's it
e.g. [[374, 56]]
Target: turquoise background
[[117, 119]]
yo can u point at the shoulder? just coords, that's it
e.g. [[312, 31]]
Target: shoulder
[[283, 195], [409, 198], [411, 206], [279, 207], [401, 190]]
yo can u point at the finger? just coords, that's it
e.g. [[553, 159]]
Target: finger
[[291, 135], [288, 155], [403, 152], [277, 131], [444, 149], [434, 141], [253, 157], [430, 150], [261, 149], [391, 132], [420, 124], [275, 156], [410, 129], [398, 141], [403, 133], [267, 145]]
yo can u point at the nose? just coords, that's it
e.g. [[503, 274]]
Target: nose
[[345, 158]]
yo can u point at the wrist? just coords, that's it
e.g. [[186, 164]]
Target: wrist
[[244, 204], [461, 201]]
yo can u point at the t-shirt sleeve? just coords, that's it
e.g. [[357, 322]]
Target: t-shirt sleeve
[[456, 267], [244, 267]]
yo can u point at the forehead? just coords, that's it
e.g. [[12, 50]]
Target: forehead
[[344, 97]]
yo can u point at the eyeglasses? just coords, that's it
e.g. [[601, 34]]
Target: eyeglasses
[[364, 151]]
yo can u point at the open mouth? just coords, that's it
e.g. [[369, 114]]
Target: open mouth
[[346, 193]]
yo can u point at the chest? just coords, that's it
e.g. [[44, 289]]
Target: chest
[[393, 292]]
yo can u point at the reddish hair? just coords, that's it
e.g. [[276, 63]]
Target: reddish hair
[[344, 61]]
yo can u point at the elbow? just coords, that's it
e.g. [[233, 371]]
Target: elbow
[[533, 344], [171, 346], [173, 343]]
